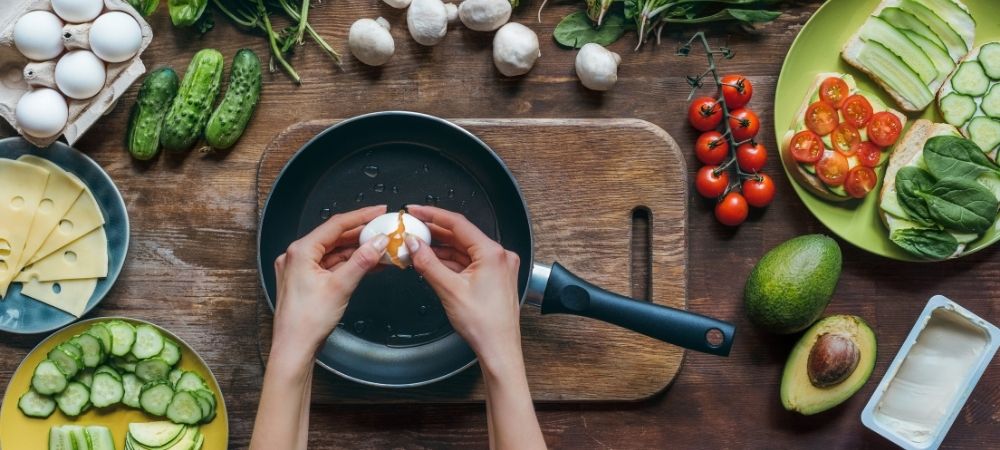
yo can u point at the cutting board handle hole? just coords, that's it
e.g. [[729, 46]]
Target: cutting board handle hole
[[640, 266]]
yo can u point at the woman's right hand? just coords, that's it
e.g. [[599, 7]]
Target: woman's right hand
[[476, 280]]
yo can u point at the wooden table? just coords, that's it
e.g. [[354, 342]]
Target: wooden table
[[191, 264]]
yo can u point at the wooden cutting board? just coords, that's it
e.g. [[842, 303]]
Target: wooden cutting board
[[583, 181]]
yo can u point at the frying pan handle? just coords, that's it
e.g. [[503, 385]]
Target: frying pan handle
[[566, 293]]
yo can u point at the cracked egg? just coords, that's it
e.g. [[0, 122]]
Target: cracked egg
[[396, 226]]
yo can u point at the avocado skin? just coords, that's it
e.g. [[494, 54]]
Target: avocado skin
[[799, 395], [791, 285]]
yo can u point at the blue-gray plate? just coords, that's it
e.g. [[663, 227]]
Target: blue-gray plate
[[24, 315]]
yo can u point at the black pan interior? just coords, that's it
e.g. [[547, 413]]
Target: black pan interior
[[394, 332]]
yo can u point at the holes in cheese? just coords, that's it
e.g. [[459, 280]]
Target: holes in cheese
[[81, 218], [70, 296], [89, 260], [21, 189], [61, 192]]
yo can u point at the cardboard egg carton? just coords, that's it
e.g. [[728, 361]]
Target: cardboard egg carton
[[82, 113]]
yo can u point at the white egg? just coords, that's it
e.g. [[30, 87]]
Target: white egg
[[115, 37], [38, 35], [41, 112], [80, 74], [77, 11], [388, 224]]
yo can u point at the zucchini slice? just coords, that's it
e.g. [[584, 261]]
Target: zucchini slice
[[989, 57], [48, 379], [957, 108], [985, 132], [106, 390], [184, 408], [970, 79], [155, 397], [100, 438], [33, 404], [74, 399], [122, 336], [991, 102], [148, 342], [155, 434], [60, 439], [886, 65], [79, 436], [878, 30]]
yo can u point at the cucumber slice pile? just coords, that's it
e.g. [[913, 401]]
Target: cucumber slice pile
[[163, 436], [75, 437], [115, 363], [970, 99]]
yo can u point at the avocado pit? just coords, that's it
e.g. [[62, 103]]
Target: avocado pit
[[833, 359]]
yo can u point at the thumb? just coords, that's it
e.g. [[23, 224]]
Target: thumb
[[364, 259], [428, 264]]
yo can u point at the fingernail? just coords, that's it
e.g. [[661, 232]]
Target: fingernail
[[412, 243], [380, 242]]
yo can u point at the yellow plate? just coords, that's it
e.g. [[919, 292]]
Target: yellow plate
[[20, 432]]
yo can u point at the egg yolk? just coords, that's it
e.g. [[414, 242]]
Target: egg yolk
[[396, 241]]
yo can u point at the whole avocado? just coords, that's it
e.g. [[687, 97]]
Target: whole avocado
[[791, 285]]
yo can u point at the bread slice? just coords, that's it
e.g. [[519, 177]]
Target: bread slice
[[852, 50]]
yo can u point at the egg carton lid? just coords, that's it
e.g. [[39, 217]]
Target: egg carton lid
[[82, 113]]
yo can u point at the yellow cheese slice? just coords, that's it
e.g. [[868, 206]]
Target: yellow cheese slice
[[68, 295], [60, 193], [21, 188], [86, 257], [82, 218]]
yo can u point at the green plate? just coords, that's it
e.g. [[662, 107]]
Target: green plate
[[816, 50]]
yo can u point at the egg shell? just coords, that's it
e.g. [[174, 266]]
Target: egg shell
[[386, 224], [38, 35], [42, 112], [80, 74], [115, 37], [77, 11]]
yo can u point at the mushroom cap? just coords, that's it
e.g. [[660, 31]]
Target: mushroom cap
[[427, 21], [484, 15], [371, 42], [515, 49], [597, 67]]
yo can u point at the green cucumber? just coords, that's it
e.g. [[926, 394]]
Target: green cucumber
[[106, 390], [232, 115], [93, 349], [74, 400], [155, 397], [191, 107], [68, 357], [991, 102], [957, 18], [85, 376], [906, 21], [148, 342], [956, 45], [970, 79], [48, 379], [100, 331], [78, 435], [878, 30], [894, 72], [957, 109], [985, 132], [190, 381], [60, 439], [155, 95], [942, 61], [122, 337], [153, 369], [184, 408], [989, 57], [156, 434], [33, 404], [171, 352], [132, 385], [100, 438]]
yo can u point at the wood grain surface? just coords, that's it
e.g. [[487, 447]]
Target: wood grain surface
[[191, 261], [586, 227]]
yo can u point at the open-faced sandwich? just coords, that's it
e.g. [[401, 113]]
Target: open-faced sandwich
[[910, 47], [839, 137], [970, 99], [940, 193]]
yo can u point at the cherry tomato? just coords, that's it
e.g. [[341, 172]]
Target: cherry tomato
[[884, 129], [807, 147], [821, 118], [732, 210], [709, 184], [744, 124], [832, 169], [857, 111], [737, 91], [705, 113], [834, 90], [869, 154], [711, 147], [845, 139], [758, 191], [860, 181], [751, 156]]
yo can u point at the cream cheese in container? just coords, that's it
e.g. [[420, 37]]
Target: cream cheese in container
[[931, 377]]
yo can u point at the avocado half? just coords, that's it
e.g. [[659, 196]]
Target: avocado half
[[829, 364]]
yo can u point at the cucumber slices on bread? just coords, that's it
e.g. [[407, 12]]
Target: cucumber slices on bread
[[970, 98]]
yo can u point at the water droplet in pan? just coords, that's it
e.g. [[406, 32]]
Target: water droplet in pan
[[451, 193], [371, 171], [426, 168], [422, 310], [359, 326], [379, 187], [431, 200], [325, 213], [395, 189], [360, 197]]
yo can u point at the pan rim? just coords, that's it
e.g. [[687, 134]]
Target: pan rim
[[412, 115]]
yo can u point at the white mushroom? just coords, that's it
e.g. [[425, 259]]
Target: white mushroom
[[427, 21], [484, 15], [597, 67], [398, 4], [452, 12], [515, 49], [371, 42]]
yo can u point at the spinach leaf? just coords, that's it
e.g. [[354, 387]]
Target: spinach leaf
[[925, 242], [955, 157], [742, 15], [576, 29], [962, 205], [910, 183]]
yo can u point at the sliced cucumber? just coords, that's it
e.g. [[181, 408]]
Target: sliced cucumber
[[184, 408], [174, 376], [125, 364], [106, 390], [955, 16], [132, 385], [970, 79], [85, 376], [122, 336], [48, 379], [991, 102], [60, 439], [956, 45], [33, 404], [887, 66], [100, 331], [74, 399], [939, 56], [100, 438], [190, 381], [989, 57], [153, 369], [208, 397], [985, 132], [906, 21], [957, 108], [67, 358], [148, 342], [93, 349], [79, 436], [878, 30], [155, 397], [171, 352], [156, 434], [837, 190], [108, 370]]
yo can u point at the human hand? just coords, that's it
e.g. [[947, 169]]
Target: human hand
[[317, 275], [476, 280]]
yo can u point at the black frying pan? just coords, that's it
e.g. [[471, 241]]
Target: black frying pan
[[394, 332]]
